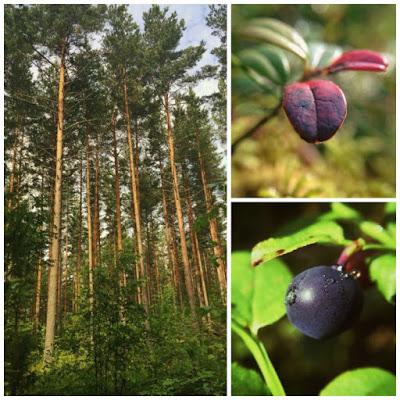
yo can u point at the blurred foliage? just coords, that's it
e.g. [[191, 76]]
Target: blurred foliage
[[305, 365], [359, 161]]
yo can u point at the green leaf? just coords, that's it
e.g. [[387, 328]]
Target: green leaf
[[391, 229], [362, 382], [343, 211], [247, 382], [268, 62], [321, 232], [322, 54], [382, 270], [242, 287], [258, 294], [377, 232], [390, 208], [279, 34]]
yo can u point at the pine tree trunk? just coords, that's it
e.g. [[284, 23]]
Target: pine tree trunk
[[149, 269], [201, 284], [171, 245], [89, 230], [18, 173], [60, 268], [178, 206], [213, 225], [66, 268], [117, 186], [135, 198], [159, 289], [55, 232], [96, 208], [38, 289], [77, 276], [11, 183]]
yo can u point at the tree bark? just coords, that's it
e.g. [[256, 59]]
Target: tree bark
[[213, 226], [89, 228], [96, 208], [201, 284], [66, 268], [178, 206], [55, 232], [135, 198], [171, 245], [117, 186], [11, 183], [37, 295], [77, 277]]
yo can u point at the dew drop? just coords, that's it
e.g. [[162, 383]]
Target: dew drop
[[291, 297]]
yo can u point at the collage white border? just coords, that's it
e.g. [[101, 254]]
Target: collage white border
[[228, 162]]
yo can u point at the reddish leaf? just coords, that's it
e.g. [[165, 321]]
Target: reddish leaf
[[359, 60], [315, 108]]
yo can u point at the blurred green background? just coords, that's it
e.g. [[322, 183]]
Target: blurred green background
[[305, 365], [359, 161]]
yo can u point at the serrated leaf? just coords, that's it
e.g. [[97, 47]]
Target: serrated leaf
[[275, 32], [247, 382], [322, 54], [258, 293], [321, 232], [362, 382], [377, 232], [267, 62], [382, 270]]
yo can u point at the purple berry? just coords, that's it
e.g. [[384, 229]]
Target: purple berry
[[323, 301], [316, 109]]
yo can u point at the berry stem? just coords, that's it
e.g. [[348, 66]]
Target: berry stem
[[352, 248], [258, 125], [260, 354]]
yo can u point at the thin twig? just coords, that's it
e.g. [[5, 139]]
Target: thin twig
[[258, 125]]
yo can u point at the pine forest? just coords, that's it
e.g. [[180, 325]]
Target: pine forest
[[114, 229]]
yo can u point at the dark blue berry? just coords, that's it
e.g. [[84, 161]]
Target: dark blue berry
[[323, 301]]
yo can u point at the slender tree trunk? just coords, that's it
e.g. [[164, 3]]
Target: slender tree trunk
[[213, 225], [201, 284], [55, 232], [58, 318], [149, 269], [171, 244], [135, 198], [11, 184], [119, 245], [89, 227], [77, 280], [37, 295], [178, 206], [66, 268], [159, 289], [117, 186], [96, 208], [17, 191]]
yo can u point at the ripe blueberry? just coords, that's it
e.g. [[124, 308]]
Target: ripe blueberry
[[323, 301]]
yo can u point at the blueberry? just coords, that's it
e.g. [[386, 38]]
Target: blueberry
[[323, 301]]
